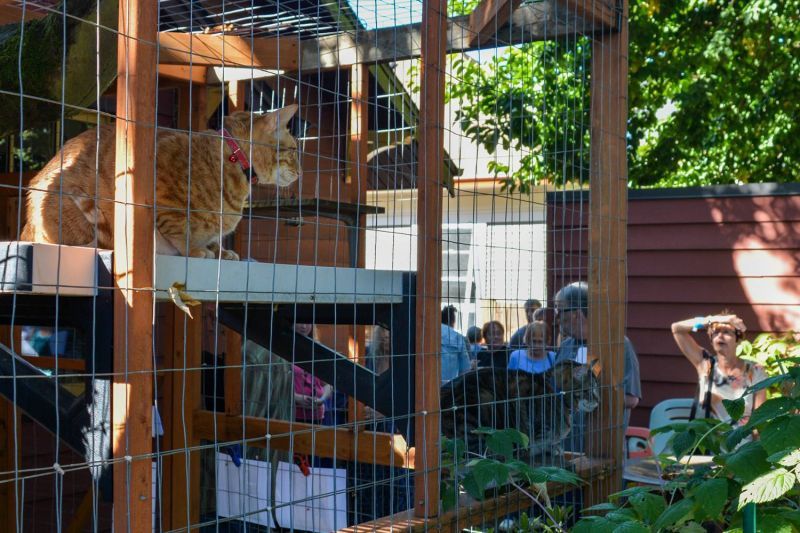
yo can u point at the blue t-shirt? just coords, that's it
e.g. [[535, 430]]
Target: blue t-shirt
[[519, 360]]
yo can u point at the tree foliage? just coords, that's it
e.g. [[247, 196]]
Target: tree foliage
[[731, 71], [532, 99], [714, 93]]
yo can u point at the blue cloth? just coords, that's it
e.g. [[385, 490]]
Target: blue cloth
[[519, 360], [455, 360], [474, 349]]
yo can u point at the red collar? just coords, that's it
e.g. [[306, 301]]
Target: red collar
[[238, 155]]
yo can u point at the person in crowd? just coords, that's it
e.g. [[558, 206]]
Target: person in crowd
[[310, 392], [517, 340], [455, 360], [381, 490], [721, 374], [535, 358], [496, 353], [572, 311], [474, 344], [548, 314]]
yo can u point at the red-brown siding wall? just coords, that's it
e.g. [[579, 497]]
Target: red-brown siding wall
[[691, 252]]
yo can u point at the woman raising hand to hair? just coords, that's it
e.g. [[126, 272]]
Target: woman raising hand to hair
[[722, 375]]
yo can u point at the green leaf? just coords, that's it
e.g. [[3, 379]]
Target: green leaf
[[682, 443], [605, 506], [781, 434], [711, 496], [692, 527], [766, 383], [483, 472], [767, 487], [502, 441], [792, 516], [788, 457], [736, 436], [500, 473], [594, 524], [675, 514], [748, 462], [631, 527], [449, 496], [735, 408], [472, 487], [631, 491], [774, 524], [772, 409], [621, 515], [648, 506], [558, 475]]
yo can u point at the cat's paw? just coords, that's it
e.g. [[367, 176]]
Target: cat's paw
[[229, 255], [203, 253]]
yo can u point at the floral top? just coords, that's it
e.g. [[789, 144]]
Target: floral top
[[308, 385], [729, 388]]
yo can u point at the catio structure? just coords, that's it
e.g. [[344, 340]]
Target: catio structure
[[298, 381]]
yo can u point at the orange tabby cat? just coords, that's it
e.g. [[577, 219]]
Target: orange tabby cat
[[219, 185]]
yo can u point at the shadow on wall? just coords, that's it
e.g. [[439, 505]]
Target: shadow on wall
[[764, 233]]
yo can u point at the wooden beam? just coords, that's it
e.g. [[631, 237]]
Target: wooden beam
[[594, 14], [227, 50], [132, 393], [488, 17], [470, 513], [194, 74], [608, 246], [236, 95], [232, 375], [536, 21], [323, 441], [429, 257]]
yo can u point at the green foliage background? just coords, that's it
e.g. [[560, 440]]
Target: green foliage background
[[714, 92]]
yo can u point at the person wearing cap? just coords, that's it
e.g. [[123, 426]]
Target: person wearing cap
[[572, 311], [721, 375], [517, 340]]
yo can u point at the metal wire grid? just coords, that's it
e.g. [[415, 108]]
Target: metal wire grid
[[265, 19]]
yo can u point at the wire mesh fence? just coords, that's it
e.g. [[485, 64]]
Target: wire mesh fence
[[311, 265]]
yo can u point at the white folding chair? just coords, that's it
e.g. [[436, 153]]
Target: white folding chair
[[664, 413]]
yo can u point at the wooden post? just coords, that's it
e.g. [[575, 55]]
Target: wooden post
[[133, 266], [607, 244], [429, 257], [357, 177], [184, 470]]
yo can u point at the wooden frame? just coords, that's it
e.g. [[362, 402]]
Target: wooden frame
[[608, 245], [132, 389], [429, 257]]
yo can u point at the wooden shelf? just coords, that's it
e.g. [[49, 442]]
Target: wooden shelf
[[49, 269], [252, 282]]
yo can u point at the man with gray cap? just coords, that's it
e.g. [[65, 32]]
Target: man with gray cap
[[572, 310]]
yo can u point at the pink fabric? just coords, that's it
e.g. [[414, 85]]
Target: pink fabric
[[305, 383]]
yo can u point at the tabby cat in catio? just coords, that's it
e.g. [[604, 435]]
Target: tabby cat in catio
[[71, 200], [539, 405]]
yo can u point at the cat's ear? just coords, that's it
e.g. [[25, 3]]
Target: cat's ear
[[279, 119], [579, 372]]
